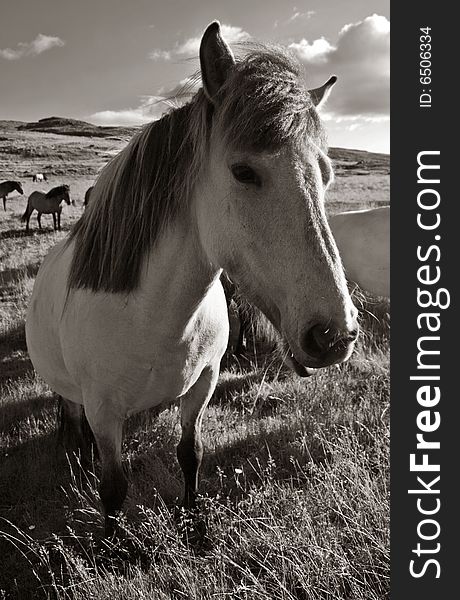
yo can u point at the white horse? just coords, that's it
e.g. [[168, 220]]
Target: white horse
[[130, 312], [363, 239], [39, 177]]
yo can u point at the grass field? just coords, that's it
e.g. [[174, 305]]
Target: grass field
[[295, 474]]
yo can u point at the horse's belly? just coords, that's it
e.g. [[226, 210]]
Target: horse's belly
[[42, 330]]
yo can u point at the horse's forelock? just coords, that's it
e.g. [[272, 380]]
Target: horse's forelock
[[265, 102]]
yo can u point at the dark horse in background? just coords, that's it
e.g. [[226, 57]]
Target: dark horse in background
[[48, 203], [88, 196], [6, 187]]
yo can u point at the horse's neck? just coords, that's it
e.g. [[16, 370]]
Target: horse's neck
[[177, 276]]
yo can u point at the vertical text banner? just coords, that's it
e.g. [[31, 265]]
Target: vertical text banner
[[425, 271]]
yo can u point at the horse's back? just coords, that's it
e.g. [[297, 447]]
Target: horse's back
[[43, 204], [363, 239], [36, 198], [6, 187]]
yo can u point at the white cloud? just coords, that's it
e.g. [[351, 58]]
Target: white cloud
[[300, 15], [40, 44], [317, 52], [191, 47], [160, 54], [150, 109], [361, 60]]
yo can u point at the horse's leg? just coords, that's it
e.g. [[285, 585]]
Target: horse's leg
[[190, 448], [39, 219], [59, 219], [28, 215], [54, 222], [4, 203], [107, 427], [74, 432]]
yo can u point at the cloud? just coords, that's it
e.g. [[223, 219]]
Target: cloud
[[160, 54], [40, 44], [150, 109], [361, 60], [191, 47], [296, 15], [317, 52]]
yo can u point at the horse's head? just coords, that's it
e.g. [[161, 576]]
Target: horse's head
[[260, 199], [66, 195], [19, 188]]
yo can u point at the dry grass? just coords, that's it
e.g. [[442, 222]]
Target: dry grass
[[356, 192], [294, 480]]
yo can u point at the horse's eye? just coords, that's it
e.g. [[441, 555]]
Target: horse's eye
[[245, 174]]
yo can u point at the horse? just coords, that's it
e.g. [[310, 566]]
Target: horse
[[88, 196], [6, 187], [38, 177], [47, 202], [129, 312], [363, 239]]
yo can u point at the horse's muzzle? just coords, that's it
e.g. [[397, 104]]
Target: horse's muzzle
[[326, 344]]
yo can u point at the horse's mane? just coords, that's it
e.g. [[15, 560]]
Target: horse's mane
[[263, 104], [58, 190]]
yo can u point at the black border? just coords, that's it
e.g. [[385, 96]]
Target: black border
[[415, 129]]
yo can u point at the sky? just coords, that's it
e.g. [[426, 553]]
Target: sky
[[110, 61]]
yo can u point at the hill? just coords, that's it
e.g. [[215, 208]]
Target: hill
[[65, 126], [342, 157], [73, 149]]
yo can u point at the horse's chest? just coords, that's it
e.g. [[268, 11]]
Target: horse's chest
[[140, 364], [169, 370]]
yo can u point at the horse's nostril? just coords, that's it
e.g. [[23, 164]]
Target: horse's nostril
[[319, 339], [352, 335], [322, 338]]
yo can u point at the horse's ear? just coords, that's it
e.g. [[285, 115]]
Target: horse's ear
[[216, 60], [321, 94]]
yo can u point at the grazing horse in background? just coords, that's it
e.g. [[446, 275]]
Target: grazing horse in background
[[363, 239], [6, 187], [88, 196], [38, 177], [47, 202], [241, 316], [129, 312]]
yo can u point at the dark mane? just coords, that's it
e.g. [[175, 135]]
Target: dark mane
[[58, 190], [263, 105]]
